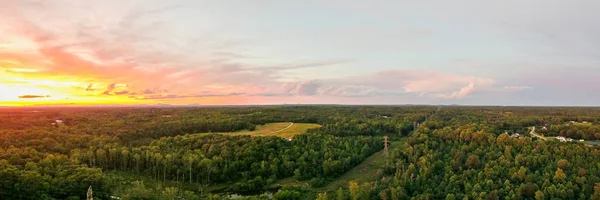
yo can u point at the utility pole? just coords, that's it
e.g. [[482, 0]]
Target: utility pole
[[385, 146], [89, 194]]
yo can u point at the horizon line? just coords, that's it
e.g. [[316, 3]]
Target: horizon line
[[284, 104]]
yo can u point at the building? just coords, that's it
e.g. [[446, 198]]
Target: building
[[563, 139]]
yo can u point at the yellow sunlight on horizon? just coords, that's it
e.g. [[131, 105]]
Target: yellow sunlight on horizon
[[48, 92]]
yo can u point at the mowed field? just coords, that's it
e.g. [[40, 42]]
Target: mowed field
[[283, 129]]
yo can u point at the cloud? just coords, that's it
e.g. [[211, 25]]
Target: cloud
[[109, 89], [147, 91], [140, 47], [176, 96], [422, 83], [85, 52], [122, 92], [462, 93], [89, 88], [356, 91], [396, 83], [429, 81], [303, 88], [33, 96]]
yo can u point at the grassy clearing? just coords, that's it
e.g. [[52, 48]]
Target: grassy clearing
[[367, 171], [284, 129]]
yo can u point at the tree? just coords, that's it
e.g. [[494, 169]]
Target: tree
[[450, 197], [539, 195], [322, 196], [581, 172], [190, 158], [341, 195], [354, 189], [596, 195], [559, 175], [522, 173], [383, 195], [169, 193], [472, 161], [562, 164]]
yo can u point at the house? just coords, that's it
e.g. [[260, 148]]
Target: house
[[516, 135], [563, 139], [57, 122]]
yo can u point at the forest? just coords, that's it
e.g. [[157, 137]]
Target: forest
[[447, 152]]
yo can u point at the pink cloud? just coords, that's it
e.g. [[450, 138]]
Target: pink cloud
[[116, 64], [462, 93], [428, 83]]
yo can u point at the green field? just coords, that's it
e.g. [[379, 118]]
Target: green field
[[367, 171], [283, 129]]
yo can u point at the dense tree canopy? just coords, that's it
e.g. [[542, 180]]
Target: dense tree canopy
[[69, 149], [171, 152], [458, 155]]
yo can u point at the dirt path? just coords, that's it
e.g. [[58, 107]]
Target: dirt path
[[536, 135], [291, 124]]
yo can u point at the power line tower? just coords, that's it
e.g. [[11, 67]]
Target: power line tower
[[385, 146], [89, 194]]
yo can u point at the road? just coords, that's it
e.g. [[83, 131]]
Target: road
[[535, 134]]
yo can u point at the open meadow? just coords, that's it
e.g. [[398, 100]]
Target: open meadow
[[282, 129]]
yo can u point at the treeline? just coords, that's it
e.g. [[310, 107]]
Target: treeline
[[370, 127], [37, 127], [517, 119], [53, 177], [248, 163]]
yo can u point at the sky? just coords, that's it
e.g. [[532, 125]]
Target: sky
[[467, 52]]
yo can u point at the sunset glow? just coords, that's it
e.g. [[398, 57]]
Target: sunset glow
[[188, 52]]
